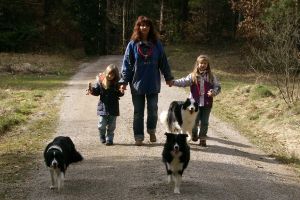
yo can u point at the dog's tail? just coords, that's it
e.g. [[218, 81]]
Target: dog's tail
[[77, 156], [163, 117], [169, 119]]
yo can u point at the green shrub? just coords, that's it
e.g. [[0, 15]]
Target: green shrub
[[260, 91], [8, 121]]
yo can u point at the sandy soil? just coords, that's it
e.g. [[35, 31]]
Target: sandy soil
[[229, 168]]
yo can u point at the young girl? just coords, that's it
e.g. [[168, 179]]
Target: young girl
[[203, 87], [108, 106]]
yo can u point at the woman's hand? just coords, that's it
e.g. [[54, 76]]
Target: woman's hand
[[170, 83]]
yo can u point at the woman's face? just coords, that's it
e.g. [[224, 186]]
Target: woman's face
[[144, 28], [202, 65]]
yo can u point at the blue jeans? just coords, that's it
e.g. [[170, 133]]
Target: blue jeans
[[202, 119], [107, 126], [138, 116]]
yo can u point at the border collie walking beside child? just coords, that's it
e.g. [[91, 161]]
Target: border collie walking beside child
[[108, 106], [203, 87]]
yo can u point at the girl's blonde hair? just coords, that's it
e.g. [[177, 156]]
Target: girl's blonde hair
[[196, 72], [110, 69]]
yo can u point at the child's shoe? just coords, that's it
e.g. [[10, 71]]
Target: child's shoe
[[102, 139], [202, 143], [195, 138], [109, 143]]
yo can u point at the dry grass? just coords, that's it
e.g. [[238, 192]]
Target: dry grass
[[270, 123], [35, 63], [28, 87]]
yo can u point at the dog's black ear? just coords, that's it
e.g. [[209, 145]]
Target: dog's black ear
[[167, 134], [186, 103], [183, 135]]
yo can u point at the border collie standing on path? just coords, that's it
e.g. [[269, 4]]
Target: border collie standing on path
[[58, 155], [176, 156], [181, 116]]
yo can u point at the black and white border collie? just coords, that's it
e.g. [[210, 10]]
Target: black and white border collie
[[58, 155], [181, 116], [176, 156]]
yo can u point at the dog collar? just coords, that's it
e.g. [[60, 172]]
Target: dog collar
[[55, 147]]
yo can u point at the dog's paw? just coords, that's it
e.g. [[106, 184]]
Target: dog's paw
[[169, 179], [52, 187], [189, 138], [176, 190], [60, 187]]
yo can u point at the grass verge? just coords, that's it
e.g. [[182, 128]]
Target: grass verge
[[29, 104]]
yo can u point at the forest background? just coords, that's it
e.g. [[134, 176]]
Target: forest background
[[254, 48]]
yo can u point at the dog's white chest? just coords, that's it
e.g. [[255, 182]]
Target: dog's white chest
[[188, 117], [176, 165]]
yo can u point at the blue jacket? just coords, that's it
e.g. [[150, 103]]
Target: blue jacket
[[143, 72], [109, 99]]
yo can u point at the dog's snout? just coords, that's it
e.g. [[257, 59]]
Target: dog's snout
[[192, 109], [176, 147], [54, 163]]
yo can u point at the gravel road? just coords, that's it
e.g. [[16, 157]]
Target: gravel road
[[229, 168]]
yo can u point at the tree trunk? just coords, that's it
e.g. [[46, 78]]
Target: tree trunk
[[128, 19], [182, 17], [161, 17], [101, 46], [298, 7], [124, 24]]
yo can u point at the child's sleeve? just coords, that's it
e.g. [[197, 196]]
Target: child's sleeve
[[119, 93], [96, 90], [217, 86], [183, 82]]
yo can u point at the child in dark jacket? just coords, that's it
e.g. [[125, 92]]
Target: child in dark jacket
[[108, 106], [203, 87]]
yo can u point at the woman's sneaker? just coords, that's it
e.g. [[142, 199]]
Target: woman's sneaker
[[109, 143]]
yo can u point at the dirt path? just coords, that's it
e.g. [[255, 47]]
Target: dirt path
[[230, 168]]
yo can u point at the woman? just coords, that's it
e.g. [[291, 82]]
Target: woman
[[143, 61]]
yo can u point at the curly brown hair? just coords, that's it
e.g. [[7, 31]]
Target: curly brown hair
[[136, 35]]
